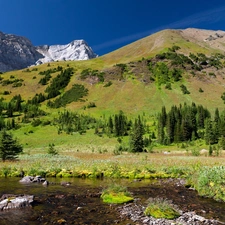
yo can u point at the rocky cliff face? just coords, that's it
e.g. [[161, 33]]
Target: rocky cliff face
[[18, 52]]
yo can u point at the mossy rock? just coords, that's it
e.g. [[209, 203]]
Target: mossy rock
[[51, 174], [160, 208], [158, 213], [64, 174], [140, 176], [116, 198]]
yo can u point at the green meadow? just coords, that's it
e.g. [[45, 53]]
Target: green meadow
[[138, 80]]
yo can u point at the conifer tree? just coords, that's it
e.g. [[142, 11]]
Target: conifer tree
[[161, 133], [163, 116], [110, 125], [210, 150], [9, 147], [170, 127], [209, 136], [120, 124], [137, 142]]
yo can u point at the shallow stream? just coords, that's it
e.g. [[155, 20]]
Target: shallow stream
[[80, 202]]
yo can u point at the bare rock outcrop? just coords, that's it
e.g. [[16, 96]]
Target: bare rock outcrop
[[17, 52]]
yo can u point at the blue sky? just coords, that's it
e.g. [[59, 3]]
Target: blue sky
[[105, 24]]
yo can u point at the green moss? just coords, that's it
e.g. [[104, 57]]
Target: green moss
[[161, 208], [116, 194], [116, 198], [63, 174]]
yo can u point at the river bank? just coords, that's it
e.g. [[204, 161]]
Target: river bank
[[80, 202]]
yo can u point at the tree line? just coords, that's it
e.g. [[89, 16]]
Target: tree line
[[189, 123]]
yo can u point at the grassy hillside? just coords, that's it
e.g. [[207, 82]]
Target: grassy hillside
[[128, 85]]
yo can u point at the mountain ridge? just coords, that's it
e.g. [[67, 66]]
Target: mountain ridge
[[17, 52], [190, 39]]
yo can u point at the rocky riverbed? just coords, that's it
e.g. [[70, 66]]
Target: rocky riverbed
[[80, 203], [135, 212]]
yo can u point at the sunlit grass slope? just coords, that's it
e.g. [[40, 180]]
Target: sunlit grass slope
[[130, 95]]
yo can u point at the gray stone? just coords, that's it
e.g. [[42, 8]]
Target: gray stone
[[31, 179], [135, 211], [16, 52], [15, 202]]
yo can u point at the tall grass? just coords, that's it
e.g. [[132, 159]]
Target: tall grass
[[210, 182]]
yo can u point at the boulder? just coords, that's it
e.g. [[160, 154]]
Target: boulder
[[31, 179], [15, 201]]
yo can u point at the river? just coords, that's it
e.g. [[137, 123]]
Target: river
[[80, 202]]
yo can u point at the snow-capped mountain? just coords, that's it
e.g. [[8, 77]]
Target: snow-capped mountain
[[17, 52], [76, 50]]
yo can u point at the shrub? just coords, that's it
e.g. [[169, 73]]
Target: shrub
[[91, 105], [200, 90], [17, 84], [223, 97], [27, 70], [212, 74], [195, 152], [168, 86], [36, 122], [76, 93], [6, 92], [184, 89], [52, 150], [210, 182], [108, 84]]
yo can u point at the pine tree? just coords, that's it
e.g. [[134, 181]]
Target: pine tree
[[9, 147], [163, 116], [216, 125], [186, 130], [120, 124], [137, 142], [110, 125], [209, 136], [177, 132], [210, 150], [222, 142], [161, 133], [170, 127], [9, 110]]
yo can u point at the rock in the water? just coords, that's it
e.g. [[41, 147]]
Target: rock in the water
[[31, 179], [15, 202], [65, 183], [45, 183]]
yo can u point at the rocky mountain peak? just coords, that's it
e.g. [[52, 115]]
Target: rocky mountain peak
[[17, 52], [75, 50]]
